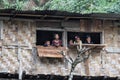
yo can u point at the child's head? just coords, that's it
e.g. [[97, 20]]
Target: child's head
[[71, 42], [56, 36], [47, 42], [77, 38], [88, 38]]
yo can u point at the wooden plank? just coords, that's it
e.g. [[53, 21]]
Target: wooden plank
[[87, 25], [93, 45], [86, 64], [98, 47], [82, 25], [50, 29], [51, 51]]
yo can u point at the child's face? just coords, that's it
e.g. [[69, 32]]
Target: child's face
[[88, 39], [77, 39], [56, 36], [48, 42], [71, 41]]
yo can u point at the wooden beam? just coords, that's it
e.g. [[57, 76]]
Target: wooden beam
[[86, 64], [66, 18], [43, 17], [50, 29], [48, 20]]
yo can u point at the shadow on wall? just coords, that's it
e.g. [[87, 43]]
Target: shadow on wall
[[45, 60], [8, 76]]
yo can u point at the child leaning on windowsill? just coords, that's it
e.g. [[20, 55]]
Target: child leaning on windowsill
[[57, 42], [47, 44], [78, 42]]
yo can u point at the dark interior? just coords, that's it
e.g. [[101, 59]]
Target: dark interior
[[43, 36], [95, 37]]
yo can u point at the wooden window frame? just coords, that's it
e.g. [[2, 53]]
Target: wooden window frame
[[61, 30], [65, 34], [101, 34]]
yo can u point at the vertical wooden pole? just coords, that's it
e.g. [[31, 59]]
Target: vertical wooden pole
[[1, 29], [1, 36], [103, 33], [20, 63], [64, 38], [86, 64]]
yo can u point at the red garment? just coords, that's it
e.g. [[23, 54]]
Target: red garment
[[57, 43]]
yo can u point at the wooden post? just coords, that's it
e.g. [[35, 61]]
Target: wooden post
[[103, 32], [1, 29], [20, 63], [1, 36], [64, 39], [86, 64]]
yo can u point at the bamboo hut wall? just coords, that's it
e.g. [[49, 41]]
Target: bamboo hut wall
[[24, 34], [17, 33]]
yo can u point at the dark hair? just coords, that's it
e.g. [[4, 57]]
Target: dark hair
[[88, 36], [56, 34], [77, 37]]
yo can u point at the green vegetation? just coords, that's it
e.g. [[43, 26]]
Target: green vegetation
[[13, 4], [77, 6]]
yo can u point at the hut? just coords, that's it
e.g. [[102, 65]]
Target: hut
[[23, 34]]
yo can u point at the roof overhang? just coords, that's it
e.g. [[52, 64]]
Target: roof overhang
[[55, 15]]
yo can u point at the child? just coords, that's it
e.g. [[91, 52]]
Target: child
[[88, 40], [57, 42], [47, 44], [78, 42], [71, 43]]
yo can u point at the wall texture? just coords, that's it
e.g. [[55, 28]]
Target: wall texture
[[23, 33]]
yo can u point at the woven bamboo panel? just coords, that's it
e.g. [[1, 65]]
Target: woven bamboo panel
[[112, 64], [9, 61], [27, 63], [25, 34], [22, 33], [16, 34]]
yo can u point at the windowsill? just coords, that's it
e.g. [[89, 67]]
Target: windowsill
[[95, 45], [50, 52], [53, 52], [98, 46]]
